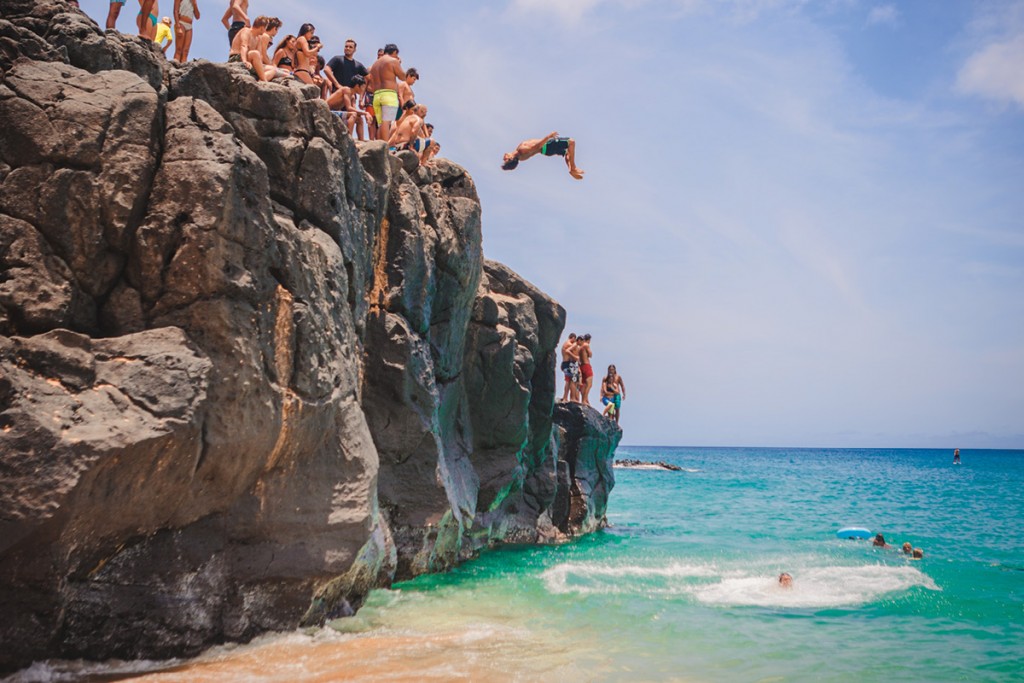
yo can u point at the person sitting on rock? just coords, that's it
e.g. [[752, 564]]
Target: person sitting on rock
[[410, 127], [549, 146], [248, 48], [284, 55], [427, 147], [345, 101]]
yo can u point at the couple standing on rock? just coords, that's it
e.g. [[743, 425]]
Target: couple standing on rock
[[579, 374]]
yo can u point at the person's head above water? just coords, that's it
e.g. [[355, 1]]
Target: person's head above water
[[907, 548], [879, 540], [918, 553], [785, 580]]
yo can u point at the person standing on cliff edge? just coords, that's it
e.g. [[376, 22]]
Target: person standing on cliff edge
[[238, 14], [385, 74], [586, 370], [571, 370], [613, 391], [549, 146]]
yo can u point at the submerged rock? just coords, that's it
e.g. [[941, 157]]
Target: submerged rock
[[630, 463], [249, 370]]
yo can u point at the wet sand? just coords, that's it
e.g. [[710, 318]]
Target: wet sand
[[480, 654]]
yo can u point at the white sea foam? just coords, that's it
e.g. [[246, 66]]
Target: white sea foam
[[813, 586], [816, 587]]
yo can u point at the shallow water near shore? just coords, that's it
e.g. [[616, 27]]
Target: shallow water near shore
[[683, 585]]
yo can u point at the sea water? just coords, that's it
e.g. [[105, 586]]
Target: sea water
[[683, 585]]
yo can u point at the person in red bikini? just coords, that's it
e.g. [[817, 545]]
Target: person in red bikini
[[586, 370]]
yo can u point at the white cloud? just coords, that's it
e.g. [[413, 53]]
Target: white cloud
[[570, 11], [996, 71], [883, 14]]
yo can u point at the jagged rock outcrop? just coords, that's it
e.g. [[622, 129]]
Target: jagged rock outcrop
[[585, 439], [248, 371]]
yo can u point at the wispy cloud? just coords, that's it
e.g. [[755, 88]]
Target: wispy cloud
[[886, 15], [569, 11], [996, 71]]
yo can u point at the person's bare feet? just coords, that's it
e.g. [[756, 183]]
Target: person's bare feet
[[577, 174]]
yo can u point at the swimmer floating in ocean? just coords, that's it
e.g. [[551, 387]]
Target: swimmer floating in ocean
[[549, 146], [785, 580]]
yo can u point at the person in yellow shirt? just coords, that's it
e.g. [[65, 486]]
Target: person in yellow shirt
[[164, 32]]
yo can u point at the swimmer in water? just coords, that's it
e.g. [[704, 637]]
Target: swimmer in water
[[879, 542], [918, 553], [785, 580], [907, 548]]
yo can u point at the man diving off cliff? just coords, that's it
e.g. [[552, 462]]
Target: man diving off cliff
[[549, 146]]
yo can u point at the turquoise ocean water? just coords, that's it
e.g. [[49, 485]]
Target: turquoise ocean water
[[683, 585]]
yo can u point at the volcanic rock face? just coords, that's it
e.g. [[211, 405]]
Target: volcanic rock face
[[248, 371]]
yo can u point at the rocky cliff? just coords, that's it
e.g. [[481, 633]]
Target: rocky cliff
[[248, 370]]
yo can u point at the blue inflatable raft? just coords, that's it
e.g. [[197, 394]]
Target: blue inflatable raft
[[854, 532]]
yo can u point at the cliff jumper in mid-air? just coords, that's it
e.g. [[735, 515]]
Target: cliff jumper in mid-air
[[549, 146]]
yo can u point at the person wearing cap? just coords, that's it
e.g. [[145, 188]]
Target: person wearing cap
[[549, 146], [164, 32]]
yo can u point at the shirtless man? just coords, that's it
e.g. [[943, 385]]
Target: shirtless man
[[432, 150], [346, 99], [185, 12], [405, 93], [571, 370], [549, 146], [385, 74], [410, 127], [248, 47], [239, 18], [586, 371]]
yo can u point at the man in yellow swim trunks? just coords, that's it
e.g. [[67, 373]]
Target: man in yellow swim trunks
[[386, 72]]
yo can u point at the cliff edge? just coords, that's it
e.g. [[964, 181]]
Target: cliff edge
[[248, 370]]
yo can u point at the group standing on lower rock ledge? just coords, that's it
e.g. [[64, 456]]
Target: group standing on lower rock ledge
[[579, 377]]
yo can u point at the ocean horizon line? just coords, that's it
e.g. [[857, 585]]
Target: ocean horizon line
[[831, 448]]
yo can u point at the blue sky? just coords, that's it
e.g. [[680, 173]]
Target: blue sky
[[802, 222]]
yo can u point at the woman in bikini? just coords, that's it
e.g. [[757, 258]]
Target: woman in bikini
[[185, 12], [613, 390], [305, 54], [284, 54]]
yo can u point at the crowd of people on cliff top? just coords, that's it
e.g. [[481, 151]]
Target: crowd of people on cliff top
[[579, 377], [376, 103]]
